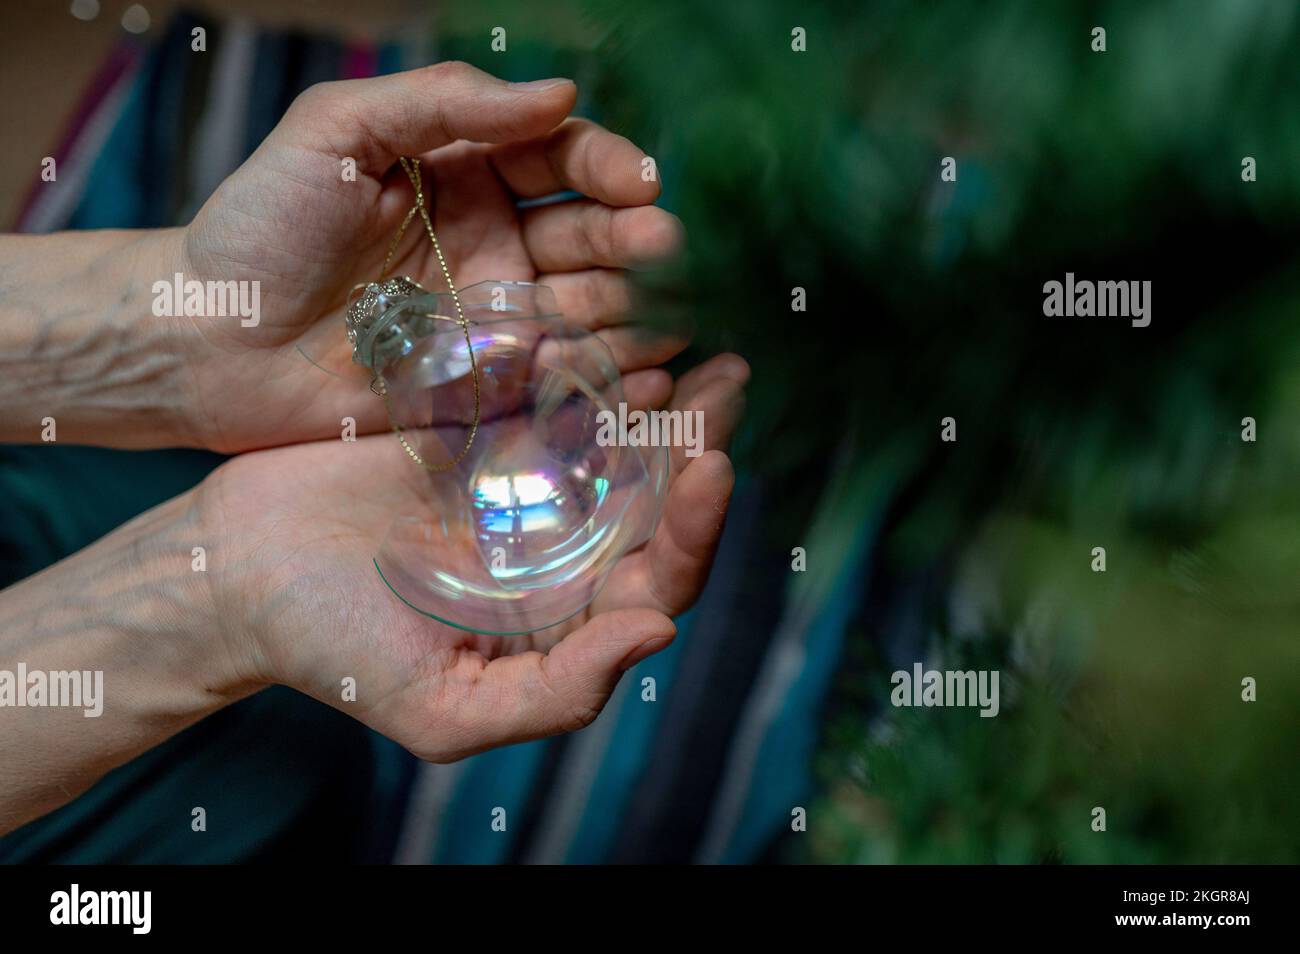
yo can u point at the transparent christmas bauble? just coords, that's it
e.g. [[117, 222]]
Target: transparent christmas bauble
[[522, 531]]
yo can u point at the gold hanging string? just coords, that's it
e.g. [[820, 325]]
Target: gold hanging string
[[411, 166]]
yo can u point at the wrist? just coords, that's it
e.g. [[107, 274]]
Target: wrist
[[149, 594], [81, 345], [132, 616], [184, 597], [243, 667]]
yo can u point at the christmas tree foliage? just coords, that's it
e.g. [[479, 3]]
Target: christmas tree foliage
[[921, 172]]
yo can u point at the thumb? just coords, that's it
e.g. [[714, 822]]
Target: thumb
[[376, 120], [532, 695]]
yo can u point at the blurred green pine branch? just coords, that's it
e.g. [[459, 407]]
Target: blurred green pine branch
[[820, 170]]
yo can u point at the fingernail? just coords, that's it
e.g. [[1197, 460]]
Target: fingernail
[[644, 651], [536, 86]]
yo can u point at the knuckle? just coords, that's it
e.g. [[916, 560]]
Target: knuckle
[[317, 97], [450, 70], [615, 290], [571, 714], [597, 232]]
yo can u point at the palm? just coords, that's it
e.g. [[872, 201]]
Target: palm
[[325, 507], [316, 514], [308, 240]]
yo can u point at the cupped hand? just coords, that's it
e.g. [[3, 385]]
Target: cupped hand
[[296, 220], [296, 529]]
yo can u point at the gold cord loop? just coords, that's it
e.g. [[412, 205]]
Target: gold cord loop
[[412, 168]]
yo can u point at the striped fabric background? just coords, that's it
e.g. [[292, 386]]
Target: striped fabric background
[[706, 772]]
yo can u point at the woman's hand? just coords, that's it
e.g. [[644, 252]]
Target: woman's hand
[[292, 220], [80, 343], [294, 532]]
